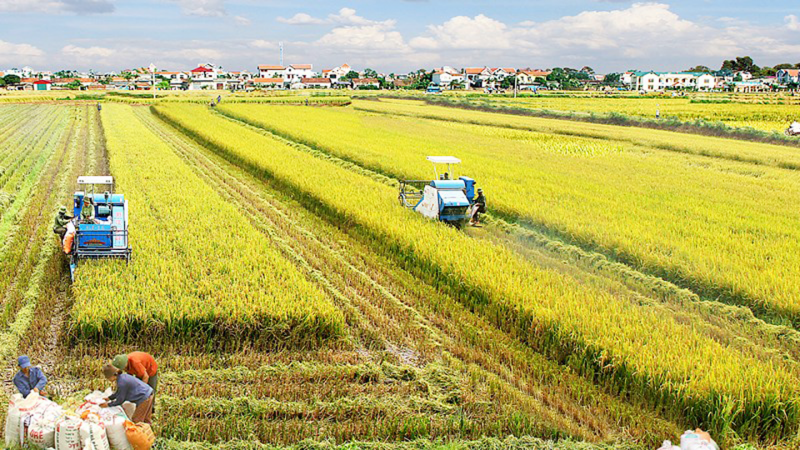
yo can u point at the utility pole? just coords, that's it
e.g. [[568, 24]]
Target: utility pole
[[280, 44], [515, 84], [153, 78]]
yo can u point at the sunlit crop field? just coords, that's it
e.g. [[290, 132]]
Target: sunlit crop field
[[627, 284], [775, 116]]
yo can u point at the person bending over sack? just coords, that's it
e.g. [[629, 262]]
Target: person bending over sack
[[130, 389]]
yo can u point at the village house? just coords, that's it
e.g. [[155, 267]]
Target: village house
[[337, 73], [476, 76], [526, 78], [446, 76], [786, 76], [366, 83], [270, 71], [315, 83], [296, 72]]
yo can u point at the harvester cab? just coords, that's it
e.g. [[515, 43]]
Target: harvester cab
[[444, 198], [104, 232]]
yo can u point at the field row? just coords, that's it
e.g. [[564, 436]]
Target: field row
[[453, 376], [607, 337], [199, 269], [667, 213]]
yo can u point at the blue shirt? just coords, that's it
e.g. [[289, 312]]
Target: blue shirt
[[25, 385], [130, 389]]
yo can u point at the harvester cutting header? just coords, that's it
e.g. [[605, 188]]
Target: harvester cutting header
[[444, 198]]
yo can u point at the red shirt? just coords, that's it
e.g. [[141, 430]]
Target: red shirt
[[141, 363]]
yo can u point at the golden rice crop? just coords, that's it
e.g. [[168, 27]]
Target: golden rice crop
[[199, 269], [773, 117], [719, 227], [627, 345]]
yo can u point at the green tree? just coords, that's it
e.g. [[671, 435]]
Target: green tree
[[350, 75], [704, 69], [612, 79], [2, 82], [11, 79], [163, 85], [74, 85], [369, 73], [741, 63]]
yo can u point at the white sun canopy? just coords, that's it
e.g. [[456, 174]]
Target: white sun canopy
[[444, 160], [96, 180]]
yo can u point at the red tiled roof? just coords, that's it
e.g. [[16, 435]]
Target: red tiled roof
[[316, 80], [268, 67], [364, 80], [42, 82], [301, 66], [473, 70], [793, 72], [27, 80], [201, 70], [267, 80]]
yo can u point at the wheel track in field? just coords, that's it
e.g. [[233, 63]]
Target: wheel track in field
[[728, 324], [452, 334]]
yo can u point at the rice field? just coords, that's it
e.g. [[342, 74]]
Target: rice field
[[772, 116], [626, 286]]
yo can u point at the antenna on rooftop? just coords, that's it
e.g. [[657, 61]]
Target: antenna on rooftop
[[280, 44]]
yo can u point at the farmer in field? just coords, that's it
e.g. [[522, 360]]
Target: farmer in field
[[130, 389], [141, 365], [478, 207], [60, 222], [29, 378], [87, 212]]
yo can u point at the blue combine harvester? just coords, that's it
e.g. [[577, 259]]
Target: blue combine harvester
[[444, 198], [106, 235]]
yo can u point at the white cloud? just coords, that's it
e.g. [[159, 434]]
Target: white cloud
[[345, 16], [792, 22], [19, 54], [87, 52], [57, 6], [463, 32], [243, 21], [301, 19], [645, 35], [204, 8], [260, 43]]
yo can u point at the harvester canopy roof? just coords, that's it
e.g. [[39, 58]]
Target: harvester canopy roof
[[444, 160], [96, 180]]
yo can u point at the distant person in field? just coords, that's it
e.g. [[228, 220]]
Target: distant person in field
[[29, 378], [60, 222], [130, 389], [141, 365], [478, 207]]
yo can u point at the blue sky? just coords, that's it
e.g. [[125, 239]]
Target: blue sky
[[396, 35]]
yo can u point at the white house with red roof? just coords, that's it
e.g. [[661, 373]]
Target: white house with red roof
[[337, 73], [296, 72], [271, 71], [786, 76], [205, 77], [446, 76]]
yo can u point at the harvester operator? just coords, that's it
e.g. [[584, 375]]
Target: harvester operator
[[60, 222], [130, 389], [29, 378], [87, 212], [478, 207], [141, 365]]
